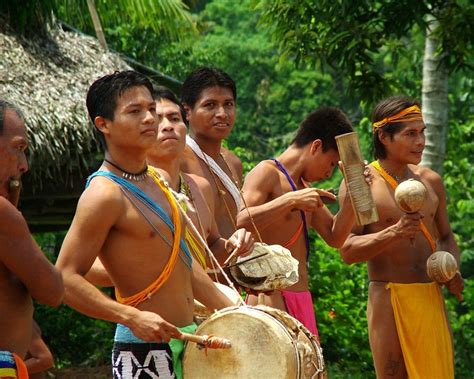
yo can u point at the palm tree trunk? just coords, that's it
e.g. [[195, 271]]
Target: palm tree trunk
[[435, 101], [97, 25]]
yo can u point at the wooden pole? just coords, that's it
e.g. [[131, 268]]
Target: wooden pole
[[359, 190]]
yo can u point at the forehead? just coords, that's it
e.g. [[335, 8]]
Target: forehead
[[134, 95], [216, 92], [166, 106], [13, 125], [412, 125]]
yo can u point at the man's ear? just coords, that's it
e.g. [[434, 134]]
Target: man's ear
[[187, 110], [101, 124], [382, 136], [315, 146]]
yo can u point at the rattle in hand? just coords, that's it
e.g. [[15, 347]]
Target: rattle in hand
[[441, 267]]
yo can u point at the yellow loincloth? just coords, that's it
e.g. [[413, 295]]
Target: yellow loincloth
[[423, 330]]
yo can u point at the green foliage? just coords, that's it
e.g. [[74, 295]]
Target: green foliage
[[350, 36]]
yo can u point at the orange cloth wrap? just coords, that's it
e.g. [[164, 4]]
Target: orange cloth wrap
[[413, 113], [393, 183], [146, 293], [21, 370]]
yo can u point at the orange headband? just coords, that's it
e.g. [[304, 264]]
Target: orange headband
[[400, 117]]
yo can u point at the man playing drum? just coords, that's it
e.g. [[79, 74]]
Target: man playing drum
[[209, 97], [283, 207], [25, 272], [166, 156], [129, 219], [408, 329]]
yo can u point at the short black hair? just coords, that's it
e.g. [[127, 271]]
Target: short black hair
[[103, 94], [162, 92], [202, 78], [325, 123], [386, 108], [4, 105]]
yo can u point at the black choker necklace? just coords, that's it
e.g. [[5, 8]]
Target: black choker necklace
[[138, 177]]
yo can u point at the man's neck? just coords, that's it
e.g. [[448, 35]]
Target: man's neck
[[209, 146], [169, 169], [396, 169], [130, 161], [292, 161]]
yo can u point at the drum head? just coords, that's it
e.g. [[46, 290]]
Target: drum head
[[261, 348]]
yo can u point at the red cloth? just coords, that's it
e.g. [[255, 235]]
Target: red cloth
[[300, 306]]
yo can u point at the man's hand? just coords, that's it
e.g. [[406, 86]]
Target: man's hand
[[309, 199], [408, 225], [456, 285], [241, 240], [150, 327]]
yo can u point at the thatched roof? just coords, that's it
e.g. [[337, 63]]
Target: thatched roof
[[48, 80]]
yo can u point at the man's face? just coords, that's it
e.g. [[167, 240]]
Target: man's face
[[13, 144], [135, 120], [213, 115], [321, 165], [407, 144], [171, 138]]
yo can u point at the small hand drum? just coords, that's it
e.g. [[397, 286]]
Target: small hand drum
[[441, 266], [410, 195]]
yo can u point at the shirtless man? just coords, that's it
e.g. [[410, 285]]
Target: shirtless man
[[129, 219], [166, 156], [209, 97], [25, 272], [408, 329], [283, 207]]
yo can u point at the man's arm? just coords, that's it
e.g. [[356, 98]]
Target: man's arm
[[206, 292], [98, 210], [334, 230], [21, 255], [446, 240], [39, 356], [360, 247], [258, 186]]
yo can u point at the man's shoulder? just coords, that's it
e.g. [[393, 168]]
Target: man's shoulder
[[12, 222], [427, 174], [265, 170], [101, 192], [232, 158]]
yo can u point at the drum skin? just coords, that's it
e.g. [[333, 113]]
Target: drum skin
[[262, 347]]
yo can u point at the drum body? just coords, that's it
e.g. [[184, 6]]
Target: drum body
[[266, 343]]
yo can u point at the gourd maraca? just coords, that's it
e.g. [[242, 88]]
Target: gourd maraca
[[441, 267], [410, 197]]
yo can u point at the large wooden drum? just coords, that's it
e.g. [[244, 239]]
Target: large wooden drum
[[266, 343]]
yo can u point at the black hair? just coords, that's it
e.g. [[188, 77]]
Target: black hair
[[325, 123], [202, 78], [386, 108], [162, 92], [4, 105], [103, 95]]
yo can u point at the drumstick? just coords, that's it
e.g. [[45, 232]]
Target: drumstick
[[209, 342], [231, 255], [245, 261]]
